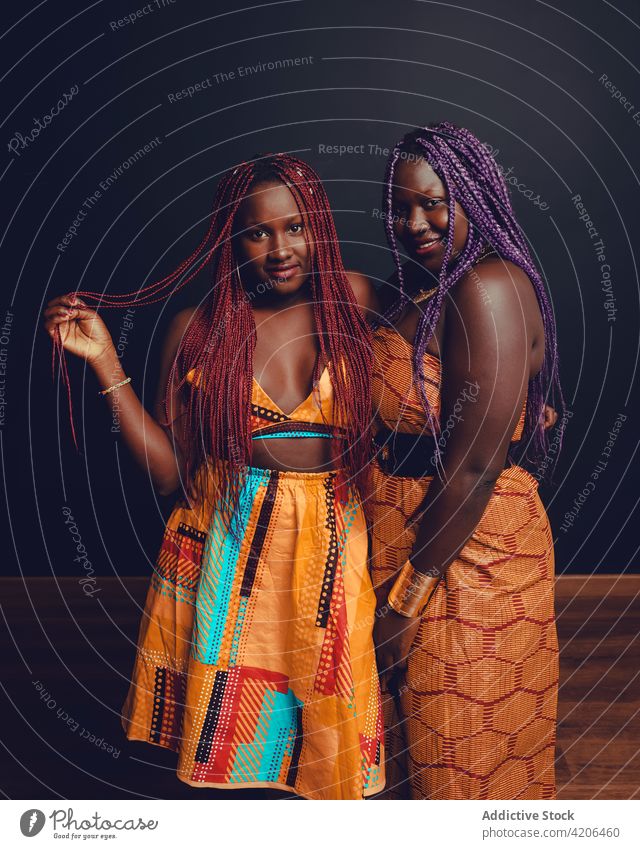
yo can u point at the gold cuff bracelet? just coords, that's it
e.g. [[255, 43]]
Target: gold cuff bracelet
[[411, 591]]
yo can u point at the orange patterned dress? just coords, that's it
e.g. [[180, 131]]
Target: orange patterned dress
[[255, 661], [476, 716]]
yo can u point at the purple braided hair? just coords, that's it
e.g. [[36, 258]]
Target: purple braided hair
[[472, 177]]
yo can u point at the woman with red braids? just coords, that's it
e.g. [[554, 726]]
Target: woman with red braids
[[255, 658]]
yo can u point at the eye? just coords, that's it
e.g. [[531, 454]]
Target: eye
[[429, 203], [258, 233], [298, 227]]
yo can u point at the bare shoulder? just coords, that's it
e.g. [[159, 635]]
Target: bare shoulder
[[364, 290], [182, 319], [172, 340], [362, 286], [174, 335], [497, 284], [178, 327]]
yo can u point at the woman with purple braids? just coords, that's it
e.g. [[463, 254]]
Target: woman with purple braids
[[462, 552]]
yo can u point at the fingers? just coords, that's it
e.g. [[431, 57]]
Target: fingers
[[59, 312], [384, 662], [59, 315], [68, 300], [550, 417], [400, 664], [54, 324], [390, 664], [68, 312], [64, 309]]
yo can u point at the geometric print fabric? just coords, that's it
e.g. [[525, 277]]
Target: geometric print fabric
[[475, 716], [255, 659]]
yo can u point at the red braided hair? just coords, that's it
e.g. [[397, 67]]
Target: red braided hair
[[218, 420]]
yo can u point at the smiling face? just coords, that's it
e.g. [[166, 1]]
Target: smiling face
[[270, 244], [420, 206]]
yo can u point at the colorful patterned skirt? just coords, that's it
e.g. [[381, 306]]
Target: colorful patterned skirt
[[475, 715], [255, 659]]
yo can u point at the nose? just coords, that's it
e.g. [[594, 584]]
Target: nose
[[279, 249], [417, 222]]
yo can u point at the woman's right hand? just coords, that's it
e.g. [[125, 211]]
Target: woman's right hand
[[82, 331]]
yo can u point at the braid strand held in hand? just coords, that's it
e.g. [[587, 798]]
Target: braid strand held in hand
[[220, 338]]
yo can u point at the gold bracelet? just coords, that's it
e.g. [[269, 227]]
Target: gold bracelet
[[115, 386], [411, 591]]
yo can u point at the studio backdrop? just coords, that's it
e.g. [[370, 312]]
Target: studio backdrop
[[117, 122]]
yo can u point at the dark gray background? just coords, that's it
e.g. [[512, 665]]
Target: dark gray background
[[525, 77]]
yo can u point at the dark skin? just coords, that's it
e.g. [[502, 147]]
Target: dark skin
[[489, 333], [271, 241], [270, 249]]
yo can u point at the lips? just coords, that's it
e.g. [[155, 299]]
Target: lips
[[426, 246], [282, 272]]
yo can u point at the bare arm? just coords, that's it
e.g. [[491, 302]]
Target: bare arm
[[365, 294], [156, 448], [487, 357]]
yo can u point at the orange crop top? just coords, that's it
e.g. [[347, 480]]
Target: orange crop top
[[312, 417], [394, 394]]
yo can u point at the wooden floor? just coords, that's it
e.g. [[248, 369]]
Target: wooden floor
[[67, 659], [598, 752]]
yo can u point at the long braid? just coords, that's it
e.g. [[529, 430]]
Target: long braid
[[343, 333], [398, 305], [217, 424], [472, 178]]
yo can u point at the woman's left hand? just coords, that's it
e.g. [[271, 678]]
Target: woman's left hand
[[550, 417], [393, 635]]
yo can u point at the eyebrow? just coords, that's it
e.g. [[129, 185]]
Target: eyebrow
[[284, 218], [433, 195]]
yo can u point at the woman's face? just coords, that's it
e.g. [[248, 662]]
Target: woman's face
[[420, 207], [270, 245]]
